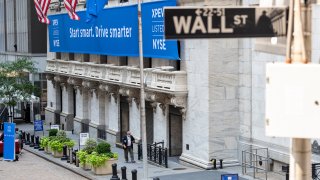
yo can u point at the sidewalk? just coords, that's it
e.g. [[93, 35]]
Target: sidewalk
[[175, 171]]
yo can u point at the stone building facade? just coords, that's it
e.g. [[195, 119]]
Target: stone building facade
[[211, 104]]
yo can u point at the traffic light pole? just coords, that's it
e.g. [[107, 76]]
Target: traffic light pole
[[300, 154], [142, 99]]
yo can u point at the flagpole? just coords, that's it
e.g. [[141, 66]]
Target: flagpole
[[142, 99]]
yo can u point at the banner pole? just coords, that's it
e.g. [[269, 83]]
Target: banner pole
[[142, 98]]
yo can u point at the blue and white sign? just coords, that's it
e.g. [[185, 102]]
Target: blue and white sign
[[229, 177], [154, 43], [9, 141], [38, 125], [114, 32]]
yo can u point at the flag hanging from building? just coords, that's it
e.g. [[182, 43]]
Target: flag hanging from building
[[71, 8], [42, 7], [94, 7]]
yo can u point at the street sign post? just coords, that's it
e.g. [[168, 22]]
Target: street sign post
[[221, 22]]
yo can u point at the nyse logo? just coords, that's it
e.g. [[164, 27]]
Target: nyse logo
[[55, 22], [56, 43]]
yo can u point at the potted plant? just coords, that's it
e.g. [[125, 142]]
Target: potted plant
[[102, 159], [44, 141], [82, 156], [56, 147], [102, 163]]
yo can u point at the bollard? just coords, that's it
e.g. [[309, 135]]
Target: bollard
[[23, 137], [36, 145], [214, 163], [134, 174], [76, 158], [28, 139], [124, 173], [70, 156], [114, 172], [221, 165], [64, 157], [32, 141]]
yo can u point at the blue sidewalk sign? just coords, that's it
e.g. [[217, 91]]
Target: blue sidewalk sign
[[9, 141], [229, 177], [38, 125]]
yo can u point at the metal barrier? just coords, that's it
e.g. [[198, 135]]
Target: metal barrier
[[155, 153], [257, 159], [315, 171]]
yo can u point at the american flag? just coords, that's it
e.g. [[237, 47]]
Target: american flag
[[42, 7], [71, 7]]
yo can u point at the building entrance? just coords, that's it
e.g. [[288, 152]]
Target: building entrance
[[149, 123], [175, 132], [124, 116]]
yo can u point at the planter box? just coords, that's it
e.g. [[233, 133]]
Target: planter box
[[85, 166], [47, 150], [57, 154], [104, 169]]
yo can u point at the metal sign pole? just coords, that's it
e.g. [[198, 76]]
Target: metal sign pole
[[142, 98], [300, 154]]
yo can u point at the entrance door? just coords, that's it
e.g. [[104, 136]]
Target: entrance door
[[124, 116], [175, 132], [149, 123]]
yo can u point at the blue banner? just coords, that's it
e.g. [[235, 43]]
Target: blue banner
[[113, 32], [154, 43], [9, 143], [38, 125]]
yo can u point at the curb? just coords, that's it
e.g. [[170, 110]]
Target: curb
[[83, 174]]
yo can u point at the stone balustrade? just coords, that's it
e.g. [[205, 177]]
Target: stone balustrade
[[162, 79]]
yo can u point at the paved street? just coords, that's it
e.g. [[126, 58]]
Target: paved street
[[34, 167]]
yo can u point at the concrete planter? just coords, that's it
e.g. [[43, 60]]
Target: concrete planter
[[104, 169], [47, 150], [57, 154], [85, 166]]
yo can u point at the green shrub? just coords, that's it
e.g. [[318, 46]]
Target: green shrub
[[90, 146], [56, 145], [70, 143], [103, 147], [44, 141], [82, 156], [61, 134], [97, 160], [53, 132]]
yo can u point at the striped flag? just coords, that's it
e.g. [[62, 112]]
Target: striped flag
[[42, 7], [71, 7]]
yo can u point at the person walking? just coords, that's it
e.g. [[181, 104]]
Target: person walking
[[127, 143]]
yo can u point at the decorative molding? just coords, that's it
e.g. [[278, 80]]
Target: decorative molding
[[60, 79], [154, 106], [50, 77], [179, 101], [129, 100], [163, 108], [183, 112], [94, 91], [78, 88], [137, 101], [74, 81]]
